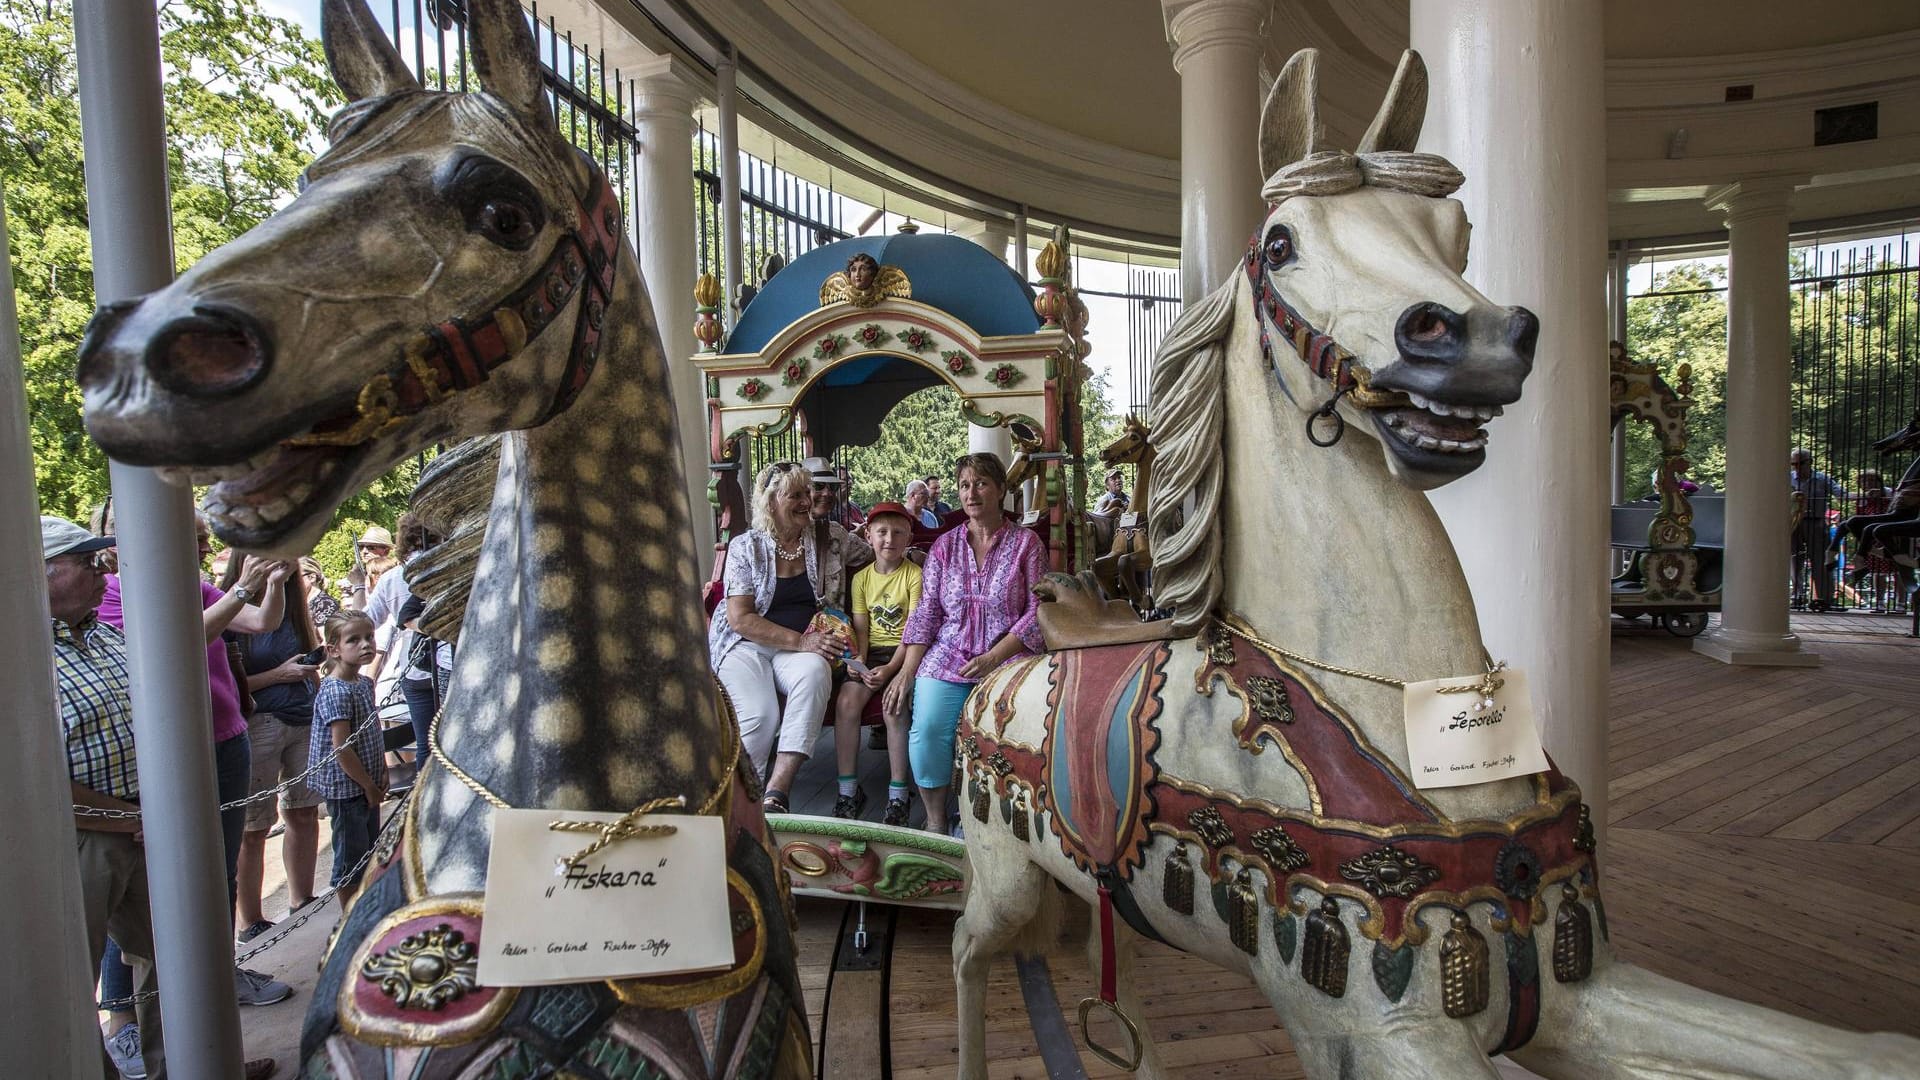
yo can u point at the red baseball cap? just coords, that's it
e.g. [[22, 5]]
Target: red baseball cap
[[891, 508]]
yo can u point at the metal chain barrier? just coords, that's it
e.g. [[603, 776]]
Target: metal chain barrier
[[290, 924], [312, 768]]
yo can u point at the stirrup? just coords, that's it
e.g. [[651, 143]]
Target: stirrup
[[1129, 1063]]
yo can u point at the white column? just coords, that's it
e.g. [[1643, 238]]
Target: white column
[[728, 103], [124, 135], [1216, 50], [47, 974], [992, 235], [1516, 103], [1617, 328], [1753, 626], [1020, 244], [665, 95]]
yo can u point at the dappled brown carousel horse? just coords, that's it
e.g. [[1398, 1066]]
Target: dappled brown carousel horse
[[452, 269]]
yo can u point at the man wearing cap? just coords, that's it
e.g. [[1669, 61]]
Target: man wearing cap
[[96, 717], [830, 530]]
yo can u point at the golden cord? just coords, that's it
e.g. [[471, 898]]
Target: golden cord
[[1488, 684]]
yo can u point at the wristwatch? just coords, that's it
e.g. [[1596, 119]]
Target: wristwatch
[[245, 594]]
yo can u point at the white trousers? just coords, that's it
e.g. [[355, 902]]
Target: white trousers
[[755, 676]]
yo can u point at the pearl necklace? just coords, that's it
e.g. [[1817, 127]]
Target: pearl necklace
[[799, 549]]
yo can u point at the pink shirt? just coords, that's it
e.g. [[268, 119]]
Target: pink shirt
[[228, 721], [966, 606]]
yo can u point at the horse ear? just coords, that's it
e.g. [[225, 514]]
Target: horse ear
[[364, 61], [1290, 122], [504, 55], [1397, 125]]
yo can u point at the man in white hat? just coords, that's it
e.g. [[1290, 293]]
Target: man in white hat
[[831, 528], [96, 716]]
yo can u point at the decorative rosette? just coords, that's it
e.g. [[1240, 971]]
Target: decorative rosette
[[1005, 375], [871, 336], [795, 371], [829, 346], [916, 339], [957, 361], [753, 389]]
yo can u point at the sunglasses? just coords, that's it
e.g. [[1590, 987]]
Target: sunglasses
[[777, 470]]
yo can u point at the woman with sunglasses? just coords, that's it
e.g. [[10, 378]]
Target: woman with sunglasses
[[760, 643]]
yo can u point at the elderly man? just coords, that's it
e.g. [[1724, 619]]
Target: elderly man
[[96, 716]]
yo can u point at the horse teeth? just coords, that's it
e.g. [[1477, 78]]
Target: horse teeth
[[1426, 442], [276, 509], [1395, 420], [299, 492], [245, 515], [1452, 446], [177, 475]]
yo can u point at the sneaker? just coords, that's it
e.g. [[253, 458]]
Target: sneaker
[[849, 806], [260, 1068], [896, 812], [123, 1047], [256, 988], [253, 930]]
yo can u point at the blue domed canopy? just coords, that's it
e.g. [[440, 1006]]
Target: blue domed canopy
[[955, 275]]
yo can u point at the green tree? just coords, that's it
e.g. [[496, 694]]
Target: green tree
[[247, 97], [1683, 321]]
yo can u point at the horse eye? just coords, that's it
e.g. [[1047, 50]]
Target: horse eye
[[1279, 250], [506, 223]]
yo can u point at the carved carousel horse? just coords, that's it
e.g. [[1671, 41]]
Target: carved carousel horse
[[1902, 518], [454, 268], [1244, 794], [1119, 570]]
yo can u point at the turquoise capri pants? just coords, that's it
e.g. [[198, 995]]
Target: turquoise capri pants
[[936, 714]]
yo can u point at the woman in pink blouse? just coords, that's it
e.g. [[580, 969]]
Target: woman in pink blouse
[[976, 612]]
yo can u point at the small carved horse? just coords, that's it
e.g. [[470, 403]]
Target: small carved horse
[[454, 268], [1120, 569], [1221, 794]]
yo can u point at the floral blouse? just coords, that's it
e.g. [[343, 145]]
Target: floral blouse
[[751, 570], [965, 607]]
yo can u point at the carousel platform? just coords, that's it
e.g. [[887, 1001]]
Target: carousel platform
[[1765, 845]]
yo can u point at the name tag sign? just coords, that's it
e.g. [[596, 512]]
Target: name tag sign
[[1462, 737], [652, 905]]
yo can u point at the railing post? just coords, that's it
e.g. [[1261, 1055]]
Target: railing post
[[123, 133]]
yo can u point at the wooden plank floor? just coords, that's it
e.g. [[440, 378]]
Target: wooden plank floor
[[1765, 845]]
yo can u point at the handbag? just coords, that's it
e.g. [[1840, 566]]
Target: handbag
[[237, 664]]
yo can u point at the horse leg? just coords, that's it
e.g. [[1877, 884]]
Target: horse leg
[[1409, 1044], [1006, 893], [1626, 1023], [1125, 945]]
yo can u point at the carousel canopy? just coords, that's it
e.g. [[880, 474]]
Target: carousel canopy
[[953, 274]]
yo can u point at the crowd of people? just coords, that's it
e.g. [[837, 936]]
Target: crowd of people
[[1823, 530], [290, 676], [824, 607]]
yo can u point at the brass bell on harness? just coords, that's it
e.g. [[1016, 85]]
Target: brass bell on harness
[[1572, 938], [1323, 957], [1176, 880], [1464, 979]]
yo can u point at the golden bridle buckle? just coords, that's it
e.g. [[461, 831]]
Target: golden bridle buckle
[[1130, 1062]]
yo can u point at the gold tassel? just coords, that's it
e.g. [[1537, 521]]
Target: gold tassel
[[980, 801], [1464, 982], [1243, 913], [1176, 880], [1323, 958], [1572, 938], [1017, 816]]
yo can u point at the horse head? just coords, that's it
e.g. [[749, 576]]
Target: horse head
[[398, 302], [1907, 438], [1130, 446], [1357, 270]]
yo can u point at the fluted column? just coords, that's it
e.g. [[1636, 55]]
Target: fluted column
[[664, 99], [1216, 50], [1516, 103], [1753, 627]]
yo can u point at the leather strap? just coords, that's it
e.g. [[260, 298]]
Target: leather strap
[[1324, 356]]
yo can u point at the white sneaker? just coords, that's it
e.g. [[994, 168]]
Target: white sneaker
[[256, 988], [123, 1047]]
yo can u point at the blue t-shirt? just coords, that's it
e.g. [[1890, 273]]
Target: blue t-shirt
[[291, 702]]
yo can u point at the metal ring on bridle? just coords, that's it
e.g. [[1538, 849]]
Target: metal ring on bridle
[[1328, 411]]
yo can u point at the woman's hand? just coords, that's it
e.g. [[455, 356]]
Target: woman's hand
[[828, 647], [981, 666], [290, 671], [253, 576], [899, 695], [278, 572]]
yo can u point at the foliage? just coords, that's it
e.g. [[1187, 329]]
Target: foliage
[[1687, 326]]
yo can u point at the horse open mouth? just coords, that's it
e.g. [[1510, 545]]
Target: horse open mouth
[[249, 502], [1437, 426]]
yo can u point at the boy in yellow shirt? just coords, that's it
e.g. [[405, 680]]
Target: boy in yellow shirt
[[884, 594]]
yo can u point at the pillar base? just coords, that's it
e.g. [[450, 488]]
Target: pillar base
[[1750, 648]]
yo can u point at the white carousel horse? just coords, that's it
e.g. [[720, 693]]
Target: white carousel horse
[[1256, 810], [454, 268]]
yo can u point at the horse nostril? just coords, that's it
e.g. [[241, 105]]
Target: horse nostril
[[1523, 332], [94, 366], [214, 352], [1429, 331]]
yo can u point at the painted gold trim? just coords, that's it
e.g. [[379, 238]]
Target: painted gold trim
[[384, 1031], [644, 992], [792, 849]]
